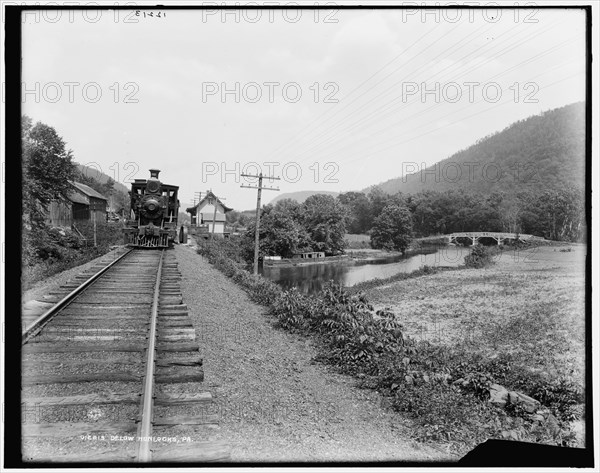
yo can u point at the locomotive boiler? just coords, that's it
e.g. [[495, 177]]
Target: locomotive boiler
[[154, 210]]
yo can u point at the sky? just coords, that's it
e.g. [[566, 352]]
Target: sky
[[335, 100]]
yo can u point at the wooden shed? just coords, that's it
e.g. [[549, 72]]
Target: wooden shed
[[60, 213], [87, 203], [83, 203]]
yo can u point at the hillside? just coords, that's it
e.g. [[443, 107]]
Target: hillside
[[546, 150], [300, 196], [101, 177]]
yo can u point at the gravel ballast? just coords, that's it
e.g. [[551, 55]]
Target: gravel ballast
[[273, 403]]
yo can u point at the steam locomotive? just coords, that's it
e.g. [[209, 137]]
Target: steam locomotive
[[154, 210]]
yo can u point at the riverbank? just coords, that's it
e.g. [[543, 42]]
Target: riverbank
[[273, 402], [369, 254]]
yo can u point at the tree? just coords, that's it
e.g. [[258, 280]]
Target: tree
[[378, 199], [47, 168], [358, 210], [122, 203], [324, 219], [104, 189], [289, 206], [392, 229], [279, 235], [108, 187], [288, 227], [455, 211], [555, 214]]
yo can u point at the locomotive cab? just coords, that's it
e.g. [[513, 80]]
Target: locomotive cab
[[154, 210]]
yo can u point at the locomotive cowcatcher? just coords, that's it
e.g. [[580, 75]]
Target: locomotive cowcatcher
[[154, 210]]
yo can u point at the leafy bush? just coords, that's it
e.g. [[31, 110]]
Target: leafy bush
[[293, 309], [560, 395], [41, 243], [48, 251], [107, 233], [444, 413], [480, 257]]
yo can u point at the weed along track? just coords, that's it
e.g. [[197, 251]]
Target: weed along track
[[112, 372]]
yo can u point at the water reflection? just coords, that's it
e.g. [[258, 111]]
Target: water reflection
[[311, 278]]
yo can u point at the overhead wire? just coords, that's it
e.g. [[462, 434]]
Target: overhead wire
[[379, 118], [461, 119], [339, 110]]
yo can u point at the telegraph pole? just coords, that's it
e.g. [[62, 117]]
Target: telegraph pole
[[256, 232], [93, 211], [197, 199]]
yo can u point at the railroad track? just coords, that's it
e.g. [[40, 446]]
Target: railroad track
[[111, 372]]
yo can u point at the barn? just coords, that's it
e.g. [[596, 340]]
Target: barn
[[82, 204], [87, 203]]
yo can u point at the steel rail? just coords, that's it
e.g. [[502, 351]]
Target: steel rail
[[37, 324], [145, 428]]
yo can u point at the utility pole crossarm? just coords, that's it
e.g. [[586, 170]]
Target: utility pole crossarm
[[263, 188], [271, 178]]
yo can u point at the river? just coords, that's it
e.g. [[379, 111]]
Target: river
[[311, 278]]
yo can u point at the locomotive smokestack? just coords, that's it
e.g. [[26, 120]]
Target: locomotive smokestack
[[154, 173]]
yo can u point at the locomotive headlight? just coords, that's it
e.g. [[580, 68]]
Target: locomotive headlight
[[152, 206]]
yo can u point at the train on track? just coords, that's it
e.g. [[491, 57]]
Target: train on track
[[154, 211]]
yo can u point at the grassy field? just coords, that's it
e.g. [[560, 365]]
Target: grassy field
[[528, 308], [357, 241]]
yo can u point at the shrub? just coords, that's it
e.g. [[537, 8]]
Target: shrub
[[443, 413], [293, 309], [48, 251], [353, 336], [107, 233], [480, 257]]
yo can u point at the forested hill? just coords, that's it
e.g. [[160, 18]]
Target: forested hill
[[115, 192], [92, 172], [544, 151], [300, 196]]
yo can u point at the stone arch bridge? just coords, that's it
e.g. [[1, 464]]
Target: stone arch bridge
[[475, 236]]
